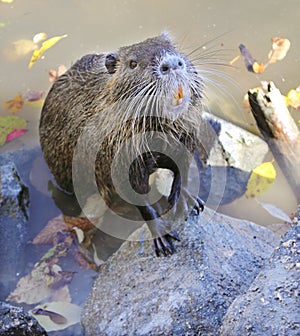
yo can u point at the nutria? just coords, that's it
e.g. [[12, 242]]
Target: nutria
[[144, 99]]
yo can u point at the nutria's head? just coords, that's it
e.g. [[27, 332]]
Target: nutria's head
[[153, 78]]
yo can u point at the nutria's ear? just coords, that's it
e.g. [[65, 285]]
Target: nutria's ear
[[111, 61]]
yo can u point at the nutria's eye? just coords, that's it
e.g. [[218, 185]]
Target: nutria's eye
[[133, 64]]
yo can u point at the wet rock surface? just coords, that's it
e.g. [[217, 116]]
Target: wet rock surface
[[271, 304], [187, 293], [15, 322], [14, 203]]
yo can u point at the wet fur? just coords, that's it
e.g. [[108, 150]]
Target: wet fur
[[111, 103]]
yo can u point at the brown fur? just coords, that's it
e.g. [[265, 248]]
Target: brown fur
[[111, 103]]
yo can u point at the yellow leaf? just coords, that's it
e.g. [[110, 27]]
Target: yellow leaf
[[46, 45], [7, 1], [262, 177], [293, 99], [14, 105], [36, 103]]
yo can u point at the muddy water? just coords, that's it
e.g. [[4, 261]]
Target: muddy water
[[95, 26]]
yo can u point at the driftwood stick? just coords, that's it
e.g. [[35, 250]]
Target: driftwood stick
[[279, 130]]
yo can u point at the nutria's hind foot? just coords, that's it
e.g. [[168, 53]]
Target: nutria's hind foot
[[163, 245], [162, 237], [198, 207]]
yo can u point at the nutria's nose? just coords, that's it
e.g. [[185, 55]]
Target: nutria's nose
[[171, 62]]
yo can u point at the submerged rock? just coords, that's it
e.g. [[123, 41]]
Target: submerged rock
[[14, 202], [15, 322], [271, 305], [187, 293]]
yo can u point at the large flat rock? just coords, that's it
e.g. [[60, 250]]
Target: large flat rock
[[187, 293]]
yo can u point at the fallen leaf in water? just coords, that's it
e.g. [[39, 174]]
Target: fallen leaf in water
[[55, 74], [45, 45], [35, 104], [19, 49], [293, 98], [258, 67], [7, 1], [39, 37], [276, 212], [9, 124], [37, 285], [55, 316], [15, 134], [249, 60], [280, 47], [262, 177], [14, 105], [34, 95], [49, 232], [82, 223]]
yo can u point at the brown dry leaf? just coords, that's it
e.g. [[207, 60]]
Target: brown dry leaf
[[36, 286], [49, 232], [14, 105], [280, 47], [55, 74], [82, 223]]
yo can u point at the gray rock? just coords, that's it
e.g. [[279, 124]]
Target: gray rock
[[14, 202], [236, 147], [187, 293], [271, 305], [232, 158], [15, 322]]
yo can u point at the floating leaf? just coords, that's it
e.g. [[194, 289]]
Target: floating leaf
[[37, 286], [15, 134], [7, 1], [34, 95], [45, 45], [48, 234], [249, 60], [35, 104], [55, 74], [258, 67], [276, 212], [55, 316], [262, 177], [37, 38], [8, 124], [280, 47], [14, 105], [19, 49], [293, 99]]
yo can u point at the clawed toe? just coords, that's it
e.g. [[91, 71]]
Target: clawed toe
[[199, 206], [163, 245]]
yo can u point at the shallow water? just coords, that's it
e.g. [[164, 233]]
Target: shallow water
[[95, 26]]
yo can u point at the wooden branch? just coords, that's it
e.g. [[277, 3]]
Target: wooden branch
[[279, 130]]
